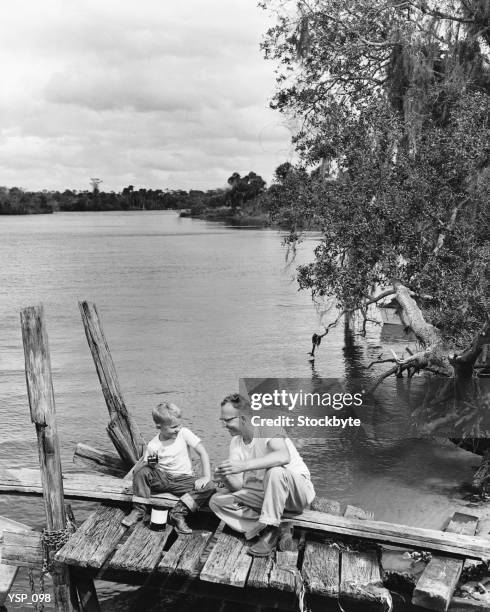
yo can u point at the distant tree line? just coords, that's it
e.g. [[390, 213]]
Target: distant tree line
[[240, 191], [16, 201]]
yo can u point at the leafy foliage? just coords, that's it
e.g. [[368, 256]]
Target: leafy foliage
[[394, 99], [244, 188]]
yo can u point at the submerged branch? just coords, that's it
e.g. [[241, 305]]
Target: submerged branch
[[433, 356]]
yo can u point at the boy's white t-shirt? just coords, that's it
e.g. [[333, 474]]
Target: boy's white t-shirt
[[174, 458]]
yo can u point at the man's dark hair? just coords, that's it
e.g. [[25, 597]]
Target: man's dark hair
[[239, 402]]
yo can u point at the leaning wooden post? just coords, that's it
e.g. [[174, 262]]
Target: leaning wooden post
[[41, 402], [122, 428]]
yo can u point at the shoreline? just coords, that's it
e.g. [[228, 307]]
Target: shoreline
[[238, 217]]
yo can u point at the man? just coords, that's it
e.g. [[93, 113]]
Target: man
[[265, 476]]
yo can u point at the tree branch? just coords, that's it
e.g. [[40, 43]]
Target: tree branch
[[464, 362], [383, 294], [439, 14], [449, 227], [391, 360], [316, 338]]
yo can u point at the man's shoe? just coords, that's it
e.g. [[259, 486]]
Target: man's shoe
[[265, 545], [132, 518], [176, 518], [286, 542]]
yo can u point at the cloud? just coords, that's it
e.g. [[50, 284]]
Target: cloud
[[161, 95]]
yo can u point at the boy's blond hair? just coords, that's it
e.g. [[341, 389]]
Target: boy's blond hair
[[164, 412]]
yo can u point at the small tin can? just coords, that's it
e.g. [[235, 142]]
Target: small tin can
[[158, 519], [152, 460]]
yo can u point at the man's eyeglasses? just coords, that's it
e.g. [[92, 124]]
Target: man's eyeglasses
[[223, 420]]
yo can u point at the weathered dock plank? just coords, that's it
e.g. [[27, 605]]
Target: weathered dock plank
[[22, 549], [184, 557], [228, 562], [360, 582], [321, 562], [141, 551], [7, 571], [455, 544], [321, 569], [191, 562], [210, 544], [439, 579], [92, 544], [172, 556], [258, 577], [284, 573], [79, 485]]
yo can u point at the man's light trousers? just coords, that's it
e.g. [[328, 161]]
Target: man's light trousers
[[283, 491]]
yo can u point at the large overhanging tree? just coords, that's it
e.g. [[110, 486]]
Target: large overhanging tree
[[391, 100]]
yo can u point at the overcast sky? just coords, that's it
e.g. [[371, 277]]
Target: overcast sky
[[153, 93]]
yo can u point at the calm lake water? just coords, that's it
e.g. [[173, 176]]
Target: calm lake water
[[189, 307]]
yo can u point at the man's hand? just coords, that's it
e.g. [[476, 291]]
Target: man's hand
[[201, 483], [231, 466]]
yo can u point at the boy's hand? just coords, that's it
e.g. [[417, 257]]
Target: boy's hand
[[201, 483], [231, 466]]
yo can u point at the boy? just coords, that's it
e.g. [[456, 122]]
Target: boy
[[166, 468]]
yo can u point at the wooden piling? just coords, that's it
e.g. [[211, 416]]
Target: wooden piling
[[42, 407], [122, 429]]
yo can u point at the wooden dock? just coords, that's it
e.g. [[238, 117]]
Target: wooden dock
[[214, 561], [326, 566], [214, 554]]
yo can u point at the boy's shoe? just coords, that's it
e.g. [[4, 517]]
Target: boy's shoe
[[176, 518], [132, 518]]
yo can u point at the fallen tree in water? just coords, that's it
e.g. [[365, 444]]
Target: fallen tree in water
[[432, 356]]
